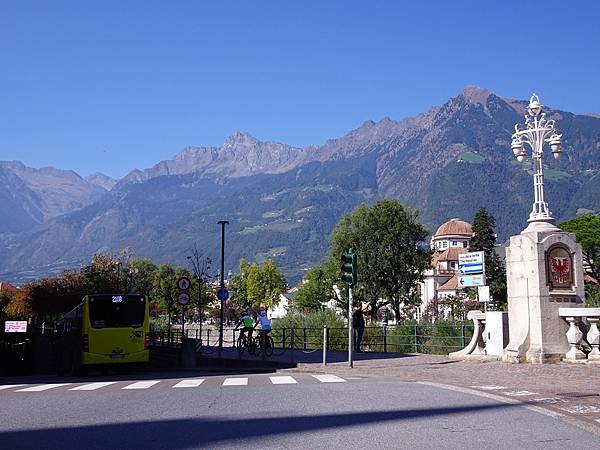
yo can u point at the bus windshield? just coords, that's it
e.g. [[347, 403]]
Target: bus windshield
[[117, 311]]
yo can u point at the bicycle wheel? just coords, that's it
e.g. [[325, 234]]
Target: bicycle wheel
[[252, 346], [241, 343], [269, 344]]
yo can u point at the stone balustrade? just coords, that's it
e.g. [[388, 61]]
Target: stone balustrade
[[475, 348], [575, 316]]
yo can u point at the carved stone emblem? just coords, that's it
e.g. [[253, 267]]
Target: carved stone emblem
[[559, 268]]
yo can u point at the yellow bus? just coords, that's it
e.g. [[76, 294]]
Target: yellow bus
[[111, 329]]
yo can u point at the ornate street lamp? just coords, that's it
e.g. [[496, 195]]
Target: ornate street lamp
[[537, 131]]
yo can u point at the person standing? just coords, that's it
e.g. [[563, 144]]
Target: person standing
[[358, 323]]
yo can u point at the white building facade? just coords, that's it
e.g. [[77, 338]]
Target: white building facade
[[441, 279]]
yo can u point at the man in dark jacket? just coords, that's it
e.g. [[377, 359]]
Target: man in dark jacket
[[358, 323]]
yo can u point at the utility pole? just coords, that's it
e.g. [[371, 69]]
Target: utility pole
[[222, 223]]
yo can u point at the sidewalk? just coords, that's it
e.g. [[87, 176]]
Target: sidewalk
[[571, 391]]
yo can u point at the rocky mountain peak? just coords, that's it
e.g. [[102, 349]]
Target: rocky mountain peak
[[239, 138], [101, 180], [475, 95]]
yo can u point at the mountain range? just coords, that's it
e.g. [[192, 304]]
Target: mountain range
[[282, 201]]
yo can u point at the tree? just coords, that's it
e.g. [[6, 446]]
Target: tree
[[392, 257], [164, 291], [257, 285], [201, 292], [587, 231], [315, 290], [484, 239], [140, 274], [238, 286]]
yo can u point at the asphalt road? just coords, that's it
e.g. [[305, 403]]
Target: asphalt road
[[285, 410]]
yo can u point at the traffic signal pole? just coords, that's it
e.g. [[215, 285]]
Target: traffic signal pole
[[349, 275], [350, 330]]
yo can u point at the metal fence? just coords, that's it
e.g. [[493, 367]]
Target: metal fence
[[440, 338]]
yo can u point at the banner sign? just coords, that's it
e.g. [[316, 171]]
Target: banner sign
[[15, 326]]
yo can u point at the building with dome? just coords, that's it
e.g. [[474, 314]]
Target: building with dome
[[441, 279]]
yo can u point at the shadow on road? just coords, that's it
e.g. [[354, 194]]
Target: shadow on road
[[186, 433]]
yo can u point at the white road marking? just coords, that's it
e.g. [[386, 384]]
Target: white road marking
[[235, 382], [329, 379], [189, 383], [43, 387], [8, 386], [92, 386], [141, 384], [489, 388], [283, 380], [519, 393], [581, 409], [550, 400]]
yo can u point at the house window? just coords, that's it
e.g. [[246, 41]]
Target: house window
[[454, 244], [465, 244], [444, 244]]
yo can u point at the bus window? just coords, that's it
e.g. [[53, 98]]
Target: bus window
[[115, 312]]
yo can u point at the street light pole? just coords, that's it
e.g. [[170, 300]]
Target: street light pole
[[537, 130], [222, 223]]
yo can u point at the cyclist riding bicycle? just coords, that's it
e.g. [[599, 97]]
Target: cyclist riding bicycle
[[265, 323], [247, 322]]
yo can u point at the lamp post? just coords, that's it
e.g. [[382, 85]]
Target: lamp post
[[222, 284], [537, 130]]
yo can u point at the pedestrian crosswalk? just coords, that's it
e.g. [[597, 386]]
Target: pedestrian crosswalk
[[187, 383], [141, 384]]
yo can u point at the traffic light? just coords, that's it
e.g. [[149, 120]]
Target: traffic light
[[349, 267]]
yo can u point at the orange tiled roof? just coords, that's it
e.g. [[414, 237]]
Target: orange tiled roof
[[455, 227], [450, 254], [450, 285]]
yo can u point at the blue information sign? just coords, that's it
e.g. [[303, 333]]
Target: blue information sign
[[222, 294]]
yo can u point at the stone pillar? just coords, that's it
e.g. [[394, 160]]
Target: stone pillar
[[544, 272]]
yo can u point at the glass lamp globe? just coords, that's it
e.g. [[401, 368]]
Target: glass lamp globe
[[516, 146]]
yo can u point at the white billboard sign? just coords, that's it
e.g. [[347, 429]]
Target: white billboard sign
[[15, 326], [483, 294]]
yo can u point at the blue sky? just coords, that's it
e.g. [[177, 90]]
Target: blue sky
[[114, 85]]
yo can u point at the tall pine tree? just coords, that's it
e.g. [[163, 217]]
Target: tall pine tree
[[484, 239]]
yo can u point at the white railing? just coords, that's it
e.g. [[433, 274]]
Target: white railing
[[575, 316], [475, 348]]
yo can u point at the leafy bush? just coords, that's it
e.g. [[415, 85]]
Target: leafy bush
[[308, 329], [160, 323]]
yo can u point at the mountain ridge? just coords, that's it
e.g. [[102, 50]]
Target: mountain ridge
[[283, 201]]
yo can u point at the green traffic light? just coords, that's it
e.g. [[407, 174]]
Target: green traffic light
[[348, 267]]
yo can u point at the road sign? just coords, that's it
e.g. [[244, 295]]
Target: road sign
[[222, 294], [483, 294], [183, 283], [465, 281], [471, 263], [183, 298]]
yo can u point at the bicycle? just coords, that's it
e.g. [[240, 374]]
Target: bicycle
[[264, 343], [243, 343]]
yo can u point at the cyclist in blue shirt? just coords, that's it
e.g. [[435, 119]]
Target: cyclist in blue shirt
[[265, 325]]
